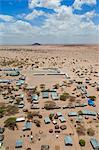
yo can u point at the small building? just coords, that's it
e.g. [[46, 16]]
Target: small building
[[94, 143], [27, 126], [54, 95], [68, 140], [62, 119], [35, 98], [1, 137], [19, 143], [59, 114], [1, 130], [91, 102], [45, 94], [71, 114], [20, 119], [88, 112], [47, 120]]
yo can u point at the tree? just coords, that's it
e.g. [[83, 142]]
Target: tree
[[10, 123], [90, 132], [51, 116], [82, 142], [2, 111], [49, 105], [64, 96]]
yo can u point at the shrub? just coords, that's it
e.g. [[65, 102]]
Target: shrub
[[90, 132], [56, 86], [49, 105], [82, 142], [80, 130], [10, 122], [2, 111], [51, 116], [64, 96]]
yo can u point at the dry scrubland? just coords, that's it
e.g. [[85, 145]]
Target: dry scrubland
[[80, 62]]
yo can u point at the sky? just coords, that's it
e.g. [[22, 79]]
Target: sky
[[49, 22]]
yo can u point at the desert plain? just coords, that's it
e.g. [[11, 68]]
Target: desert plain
[[79, 64]]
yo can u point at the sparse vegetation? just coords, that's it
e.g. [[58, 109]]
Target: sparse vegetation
[[10, 123], [49, 105], [64, 96], [82, 142], [90, 132]]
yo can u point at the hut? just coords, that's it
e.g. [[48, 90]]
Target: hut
[[20, 119], [68, 140], [45, 94], [27, 126], [59, 114], [71, 114], [47, 120], [91, 102], [35, 97], [94, 143], [62, 119], [88, 112], [54, 95], [19, 143]]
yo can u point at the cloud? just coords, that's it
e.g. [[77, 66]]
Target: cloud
[[60, 27], [44, 3], [6, 18], [34, 14], [78, 3]]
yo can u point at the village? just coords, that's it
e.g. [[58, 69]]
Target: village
[[47, 108]]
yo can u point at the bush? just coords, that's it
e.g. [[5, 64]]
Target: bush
[[82, 142], [49, 105], [90, 132], [80, 130], [56, 86], [2, 111], [10, 122], [51, 116], [64, 96]]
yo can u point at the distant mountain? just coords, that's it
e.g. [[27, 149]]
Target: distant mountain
[[36, 44]]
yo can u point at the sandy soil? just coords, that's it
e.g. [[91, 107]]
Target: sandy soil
[[80, 62]]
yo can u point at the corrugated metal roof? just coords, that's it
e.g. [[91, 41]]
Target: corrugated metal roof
[[47, 120], [68, 140], [95, 143], [19, 143], [45, 94]]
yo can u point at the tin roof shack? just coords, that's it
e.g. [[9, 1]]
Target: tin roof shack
[[68, 140], [45, 94], [19, 143], [94, 143], [1, 137], [47, 120], [14, 73], [2, 130], [91, 102], [5, 81], [27, 126], [59, 114], [62, 119], [88, 112], [72, 114], [20, 119], [35, 98], [54, 95]]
